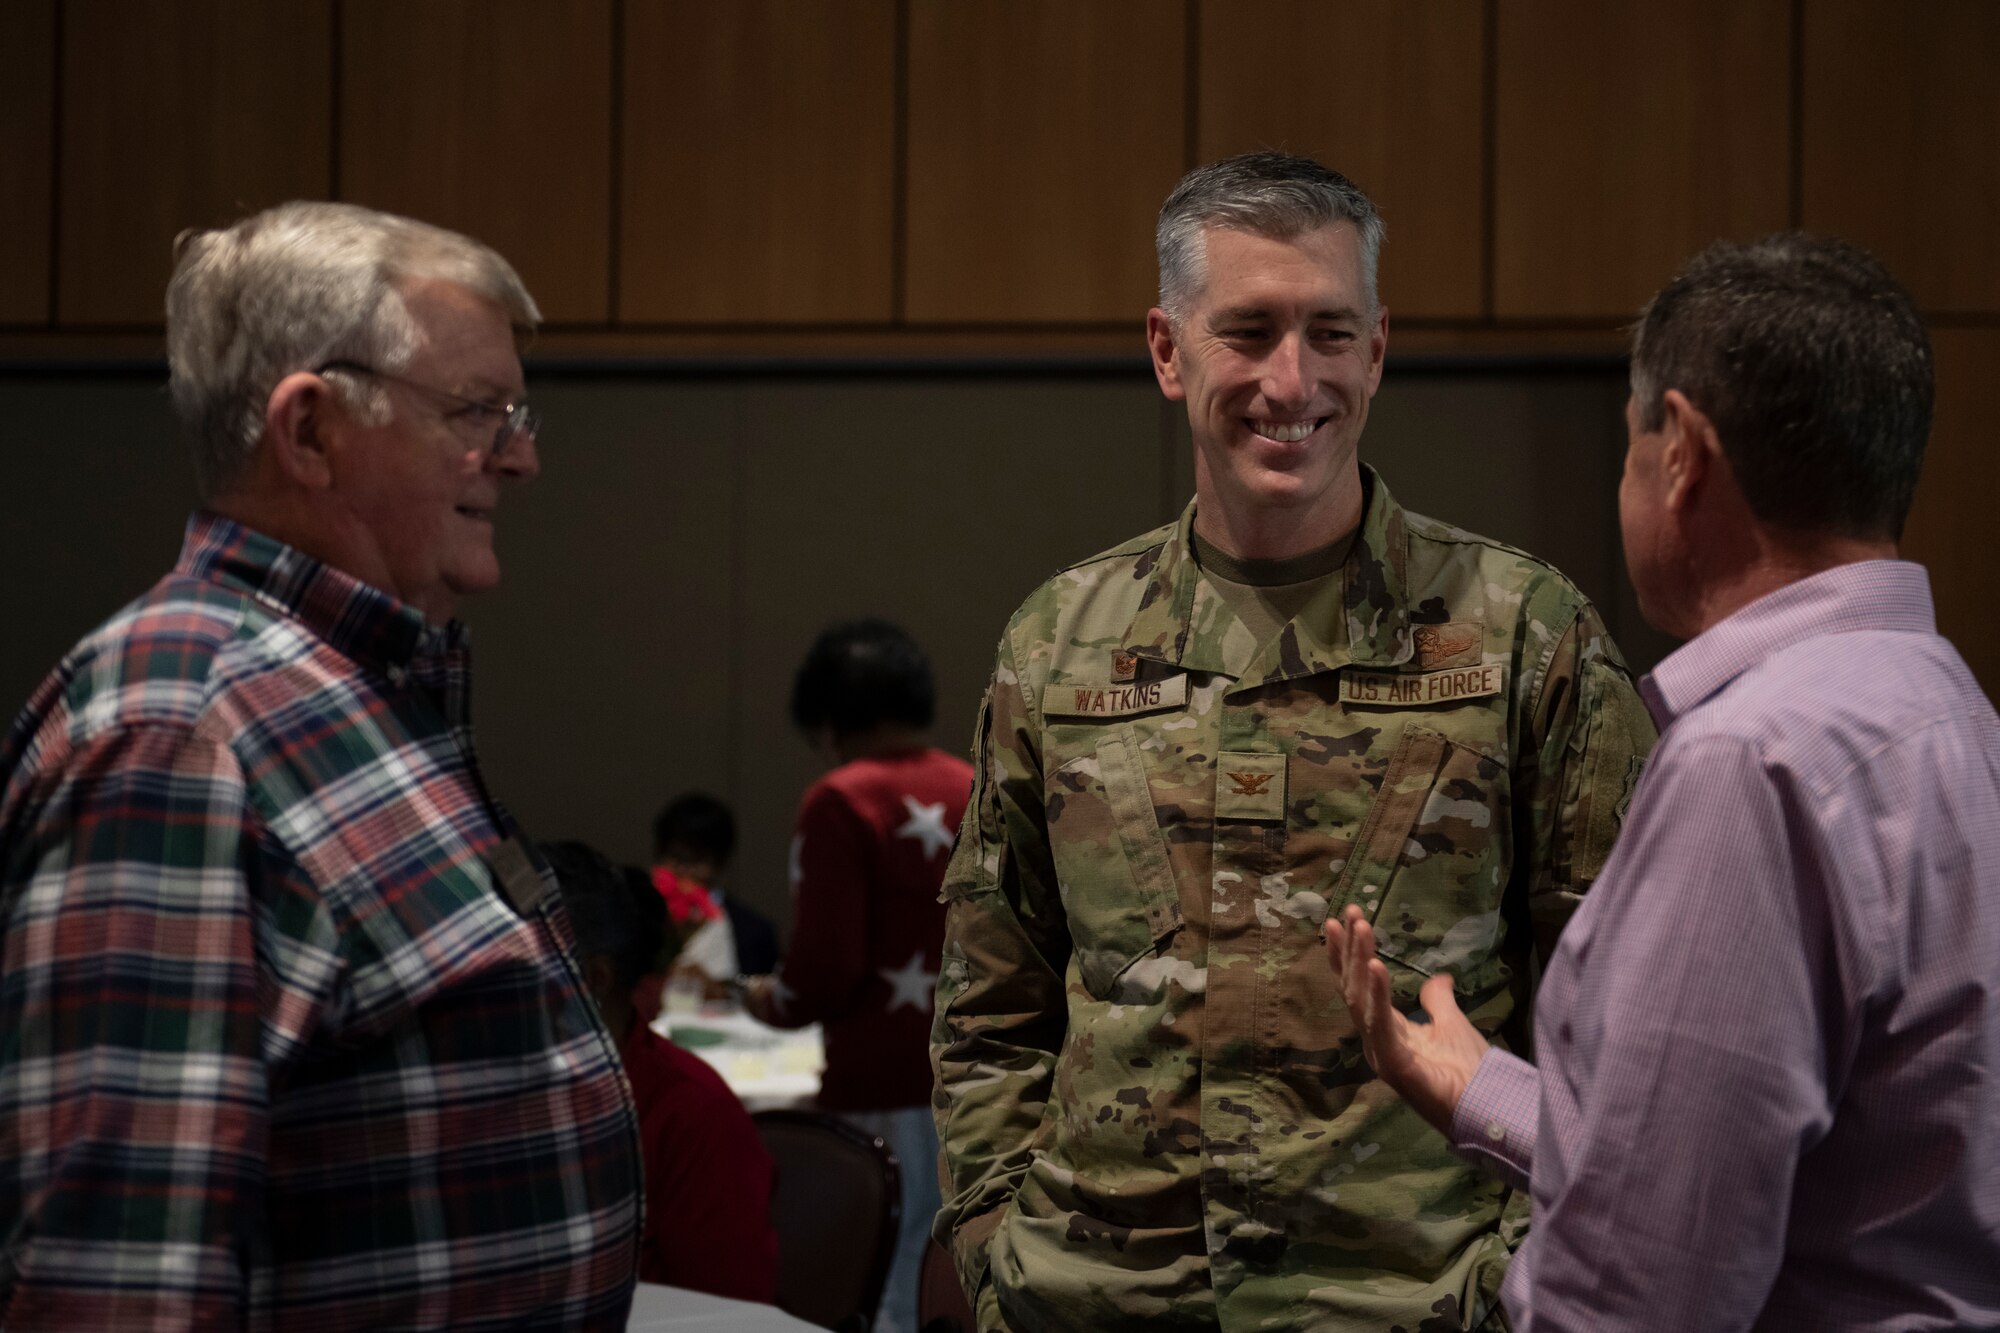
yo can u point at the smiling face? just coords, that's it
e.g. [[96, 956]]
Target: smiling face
[[1277, 359], [420, 491]]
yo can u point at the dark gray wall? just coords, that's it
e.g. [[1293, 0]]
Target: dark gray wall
[[690, 533]]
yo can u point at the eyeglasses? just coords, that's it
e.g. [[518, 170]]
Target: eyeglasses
[[515, 418]]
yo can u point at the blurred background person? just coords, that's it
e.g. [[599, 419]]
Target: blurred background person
[[708, 1179], [694, 839], [873, 837]]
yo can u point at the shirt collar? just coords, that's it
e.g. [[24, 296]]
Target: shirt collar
[[362, 622], [1892, 595], [1362, 619]]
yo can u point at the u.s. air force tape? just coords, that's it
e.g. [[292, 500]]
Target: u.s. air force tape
[[1415, 689], [1081, 699]]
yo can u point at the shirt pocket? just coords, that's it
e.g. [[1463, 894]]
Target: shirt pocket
[[1431, 860], [1111, 858]]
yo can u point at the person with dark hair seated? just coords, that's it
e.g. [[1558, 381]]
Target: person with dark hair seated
[[708, 1178], [872, 841], [694, 838]]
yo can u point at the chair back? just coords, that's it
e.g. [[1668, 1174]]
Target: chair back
[[941, 1303], [836, 1205]]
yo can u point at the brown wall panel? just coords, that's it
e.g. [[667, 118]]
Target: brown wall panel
[[27, 147], [492, 117], [1043, 135], [1628, 136], [758, 162], [1902, 140], [173, 116], [1950, 524], [1403, 120]]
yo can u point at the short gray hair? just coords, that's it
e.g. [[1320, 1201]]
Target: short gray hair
[[291, 289], [1271, 194]]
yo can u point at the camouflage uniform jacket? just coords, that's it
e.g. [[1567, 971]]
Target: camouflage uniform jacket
[[1152, 1105]]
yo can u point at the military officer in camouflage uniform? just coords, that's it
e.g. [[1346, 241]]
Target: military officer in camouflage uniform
[[1153, 1106]]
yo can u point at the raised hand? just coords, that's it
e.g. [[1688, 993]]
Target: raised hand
[[1428, 1064]]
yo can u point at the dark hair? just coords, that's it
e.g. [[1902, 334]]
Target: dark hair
[[861, 674], [617, 914], [1814, 366], [696, 822]]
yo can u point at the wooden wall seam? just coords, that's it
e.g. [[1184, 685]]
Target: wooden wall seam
[[55, 159], [1489, 147], [336, 97], [899, 243], [1796, 160], [614, 205]]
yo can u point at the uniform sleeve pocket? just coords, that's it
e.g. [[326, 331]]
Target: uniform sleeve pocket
[[1601, 779], [954, 976], [1111, 859], [1430, 862], [979, 853]]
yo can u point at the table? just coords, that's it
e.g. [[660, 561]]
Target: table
[[657, 1309], [765, 1066]]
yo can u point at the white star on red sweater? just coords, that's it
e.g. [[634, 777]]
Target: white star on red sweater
[[926, 825], [912, 983]]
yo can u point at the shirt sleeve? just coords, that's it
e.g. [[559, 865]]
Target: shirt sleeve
[[1587, 740], [1696, 1059], [1497, 1115], [1001, 1009], [133, 1097], [826, 967]]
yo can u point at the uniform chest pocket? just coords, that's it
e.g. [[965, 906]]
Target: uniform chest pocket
[[1431, 860], [1111, 859]]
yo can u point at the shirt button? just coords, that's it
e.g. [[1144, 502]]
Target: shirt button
[[397, 676], [1495, 1130]]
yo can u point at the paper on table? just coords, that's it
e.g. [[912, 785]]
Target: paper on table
[[657, 1309]]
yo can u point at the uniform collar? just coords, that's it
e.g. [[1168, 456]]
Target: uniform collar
[[362, 622], [1359, 619]]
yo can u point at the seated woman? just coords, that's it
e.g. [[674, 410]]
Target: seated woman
[[708, 1178]]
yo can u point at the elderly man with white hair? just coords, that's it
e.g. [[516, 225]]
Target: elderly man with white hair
[[292, 1034]]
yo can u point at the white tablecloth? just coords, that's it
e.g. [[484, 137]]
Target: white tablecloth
[[657, 1309], [765, 1066]]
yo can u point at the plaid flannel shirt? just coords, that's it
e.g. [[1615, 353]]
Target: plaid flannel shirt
[[290, 1031]]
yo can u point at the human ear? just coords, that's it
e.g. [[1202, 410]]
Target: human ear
[[299, 418], [1378, 347], [1690, 450], [1166, 354]]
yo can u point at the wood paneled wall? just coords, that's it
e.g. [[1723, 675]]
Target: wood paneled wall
[[174, 116], [861, 174], [27, 156], [1628, 135], [758, 165], [491, 117]]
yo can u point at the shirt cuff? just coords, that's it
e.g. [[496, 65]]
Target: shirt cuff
[[1494, 1122]]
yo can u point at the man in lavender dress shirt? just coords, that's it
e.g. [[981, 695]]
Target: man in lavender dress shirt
[[1768, 1082]]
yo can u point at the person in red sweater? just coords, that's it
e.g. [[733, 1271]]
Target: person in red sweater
[[708, 1178], [873, 837]]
